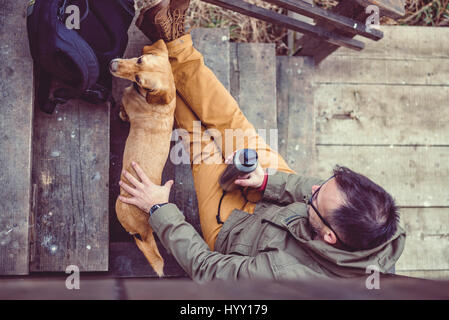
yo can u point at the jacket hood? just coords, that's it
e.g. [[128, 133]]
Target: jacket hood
[[341, 262]]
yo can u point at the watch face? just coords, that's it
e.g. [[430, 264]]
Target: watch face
[[155, 207]]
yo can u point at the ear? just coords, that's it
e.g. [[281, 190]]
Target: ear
[[159, 97], [157, 47], [329, 236]]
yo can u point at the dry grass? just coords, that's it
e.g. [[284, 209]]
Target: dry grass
[[242, 28], [418, 12], [245, 29], [426, 13]]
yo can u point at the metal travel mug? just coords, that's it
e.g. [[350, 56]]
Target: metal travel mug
[[245, 161]]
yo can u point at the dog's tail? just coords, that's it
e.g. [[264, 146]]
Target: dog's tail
[[149, 248]]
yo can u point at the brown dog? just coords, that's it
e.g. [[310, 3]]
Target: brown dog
[[149, 106]]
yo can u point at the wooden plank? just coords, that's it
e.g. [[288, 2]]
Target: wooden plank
[[391, 287], [296, 121], [127, 261], [405, 42], [427, 244], [70, 170], [119, 131], [234, 73], [54, 288], [426, 274], [351, 69], [327, 16], [213, 43], [282, 99], [257, 84], [413, 175], [16, 114], [356, 114], [287, 22], [95, 288]]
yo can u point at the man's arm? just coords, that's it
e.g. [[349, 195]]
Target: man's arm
[[279, 187], [194, 255], [285, 188]]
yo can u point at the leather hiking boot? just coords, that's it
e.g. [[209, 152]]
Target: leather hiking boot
[[156, 21], [178, 9]]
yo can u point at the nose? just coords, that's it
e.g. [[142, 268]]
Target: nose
[[113, 65]]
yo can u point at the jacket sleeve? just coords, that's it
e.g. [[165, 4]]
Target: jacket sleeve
[[286, 188], [194, 255]]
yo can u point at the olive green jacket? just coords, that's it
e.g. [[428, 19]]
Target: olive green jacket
[[275, 242]]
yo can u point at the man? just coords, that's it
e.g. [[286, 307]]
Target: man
[[297, 227]]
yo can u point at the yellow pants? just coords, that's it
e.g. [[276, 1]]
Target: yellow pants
[[205, 110]]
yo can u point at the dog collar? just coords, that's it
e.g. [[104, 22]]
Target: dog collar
[[137, 88]]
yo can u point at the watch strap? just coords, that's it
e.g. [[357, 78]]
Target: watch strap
[[155, 207]]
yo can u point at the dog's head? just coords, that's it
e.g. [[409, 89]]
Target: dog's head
[[151, 72]]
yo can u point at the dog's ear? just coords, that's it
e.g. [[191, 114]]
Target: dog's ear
[[157, 47], [159, 97]]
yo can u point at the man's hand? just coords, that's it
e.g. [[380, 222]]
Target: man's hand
[[253, 179], [145, 193]]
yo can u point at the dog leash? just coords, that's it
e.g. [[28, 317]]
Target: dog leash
[[221, 199]]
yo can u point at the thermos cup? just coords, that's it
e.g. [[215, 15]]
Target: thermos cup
[[245, 161]]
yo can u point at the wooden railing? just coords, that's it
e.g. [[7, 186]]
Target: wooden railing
[[333, 29]]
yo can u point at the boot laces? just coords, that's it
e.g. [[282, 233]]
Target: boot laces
[[178, 22], [164, 25]]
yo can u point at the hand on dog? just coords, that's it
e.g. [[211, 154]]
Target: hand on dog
[[253, 179], [145, 193]]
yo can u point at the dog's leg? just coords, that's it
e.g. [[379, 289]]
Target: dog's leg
[[149, 248]]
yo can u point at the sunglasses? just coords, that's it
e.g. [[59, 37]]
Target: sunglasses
[[310, 202]]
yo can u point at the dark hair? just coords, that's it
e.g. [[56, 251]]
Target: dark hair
[[369, 215]]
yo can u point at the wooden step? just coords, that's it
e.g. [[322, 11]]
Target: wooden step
[[70, 175], [214, 45], [253, 68], [296, 114], [16, 113], [125, 258]]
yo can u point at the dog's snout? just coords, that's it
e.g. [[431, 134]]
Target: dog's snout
[[113, 66]]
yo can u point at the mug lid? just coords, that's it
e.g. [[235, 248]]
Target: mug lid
[[248, 157]]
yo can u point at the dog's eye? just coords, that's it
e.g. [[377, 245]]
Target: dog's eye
[[137, 79], [149, 90], [139, 61]]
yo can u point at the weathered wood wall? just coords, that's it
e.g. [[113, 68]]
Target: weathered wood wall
[[382, 112], [16, 114]]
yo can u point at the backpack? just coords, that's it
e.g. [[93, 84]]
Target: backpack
[[79, 58]]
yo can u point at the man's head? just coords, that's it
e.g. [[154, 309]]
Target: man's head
[[355, 212]]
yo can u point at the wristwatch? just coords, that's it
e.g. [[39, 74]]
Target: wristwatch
[[155, 207]]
